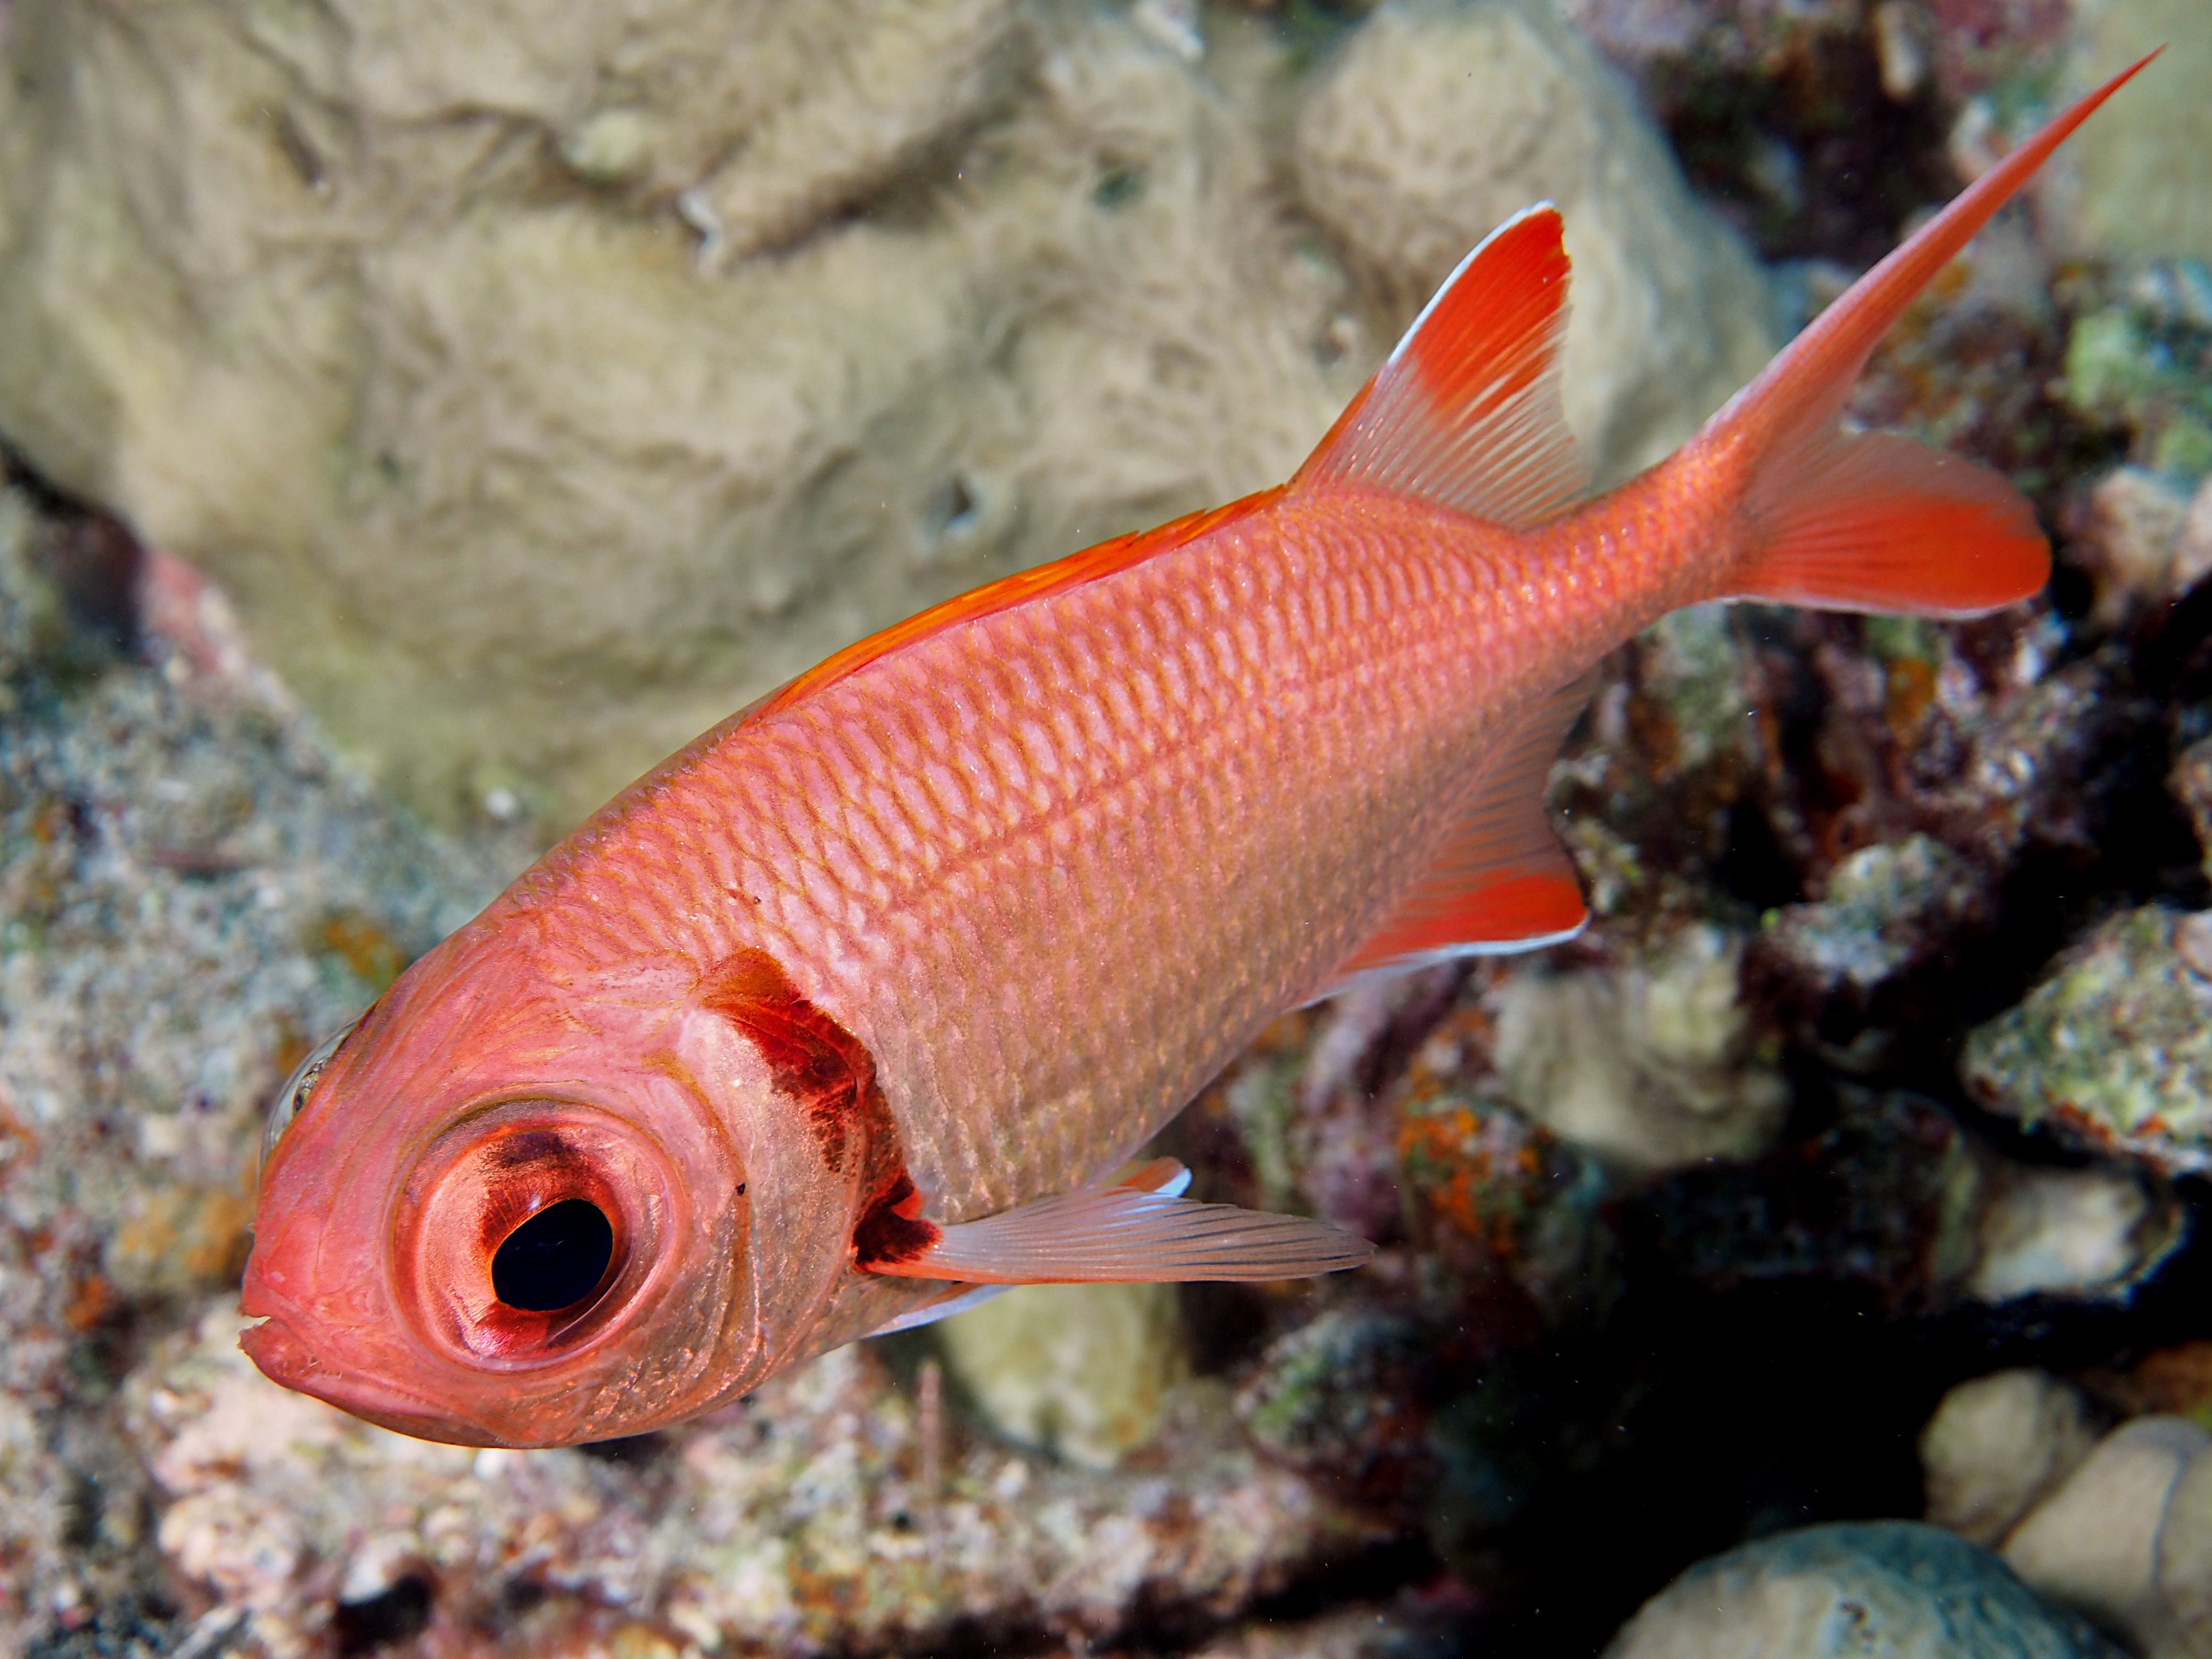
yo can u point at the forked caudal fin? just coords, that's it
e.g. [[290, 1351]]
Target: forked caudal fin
[[1876, 522]]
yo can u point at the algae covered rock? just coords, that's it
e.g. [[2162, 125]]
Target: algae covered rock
[[191, 894], [825, 1513], [1893, 1588], [1890, 916], [2114, 1047]]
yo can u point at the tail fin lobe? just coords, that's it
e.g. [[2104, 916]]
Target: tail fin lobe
[[1880, 523]]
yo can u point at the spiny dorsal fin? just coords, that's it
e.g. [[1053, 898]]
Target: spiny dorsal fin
[[1466, 410], [1501, 882], [1138, 1229], [1121, 553]]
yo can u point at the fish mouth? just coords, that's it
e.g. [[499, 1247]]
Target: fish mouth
[[276, 1349]]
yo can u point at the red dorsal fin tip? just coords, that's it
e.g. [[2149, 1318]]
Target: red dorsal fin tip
[[1465, 411]]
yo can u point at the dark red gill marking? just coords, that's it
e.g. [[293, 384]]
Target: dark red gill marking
[[830, 1073]]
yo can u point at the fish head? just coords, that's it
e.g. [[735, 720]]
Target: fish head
[[503, 1211]]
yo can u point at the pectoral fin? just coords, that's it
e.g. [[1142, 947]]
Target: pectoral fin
[[1138, 1229]]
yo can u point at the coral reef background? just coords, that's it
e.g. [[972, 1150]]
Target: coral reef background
[[537, 382]]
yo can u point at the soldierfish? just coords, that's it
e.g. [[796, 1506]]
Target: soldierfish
[[855, 1007]]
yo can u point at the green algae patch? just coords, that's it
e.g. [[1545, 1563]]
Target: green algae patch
[[2114, 1048]]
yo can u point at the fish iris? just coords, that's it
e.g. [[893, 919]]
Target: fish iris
[[554, 1260]]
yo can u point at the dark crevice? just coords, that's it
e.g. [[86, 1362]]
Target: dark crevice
[[383, 1620]]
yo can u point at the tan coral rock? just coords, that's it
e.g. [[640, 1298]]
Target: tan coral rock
[[1436, 123], [544, 381], [409, 343], [2185, 1558], [2133, 181], [877, 100], [1080, 1371], [2094, 1232], [1998, 1443], [1653, 1065], [2094, 1543], [2132, 543]]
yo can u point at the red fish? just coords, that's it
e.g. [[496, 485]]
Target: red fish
[[853, 1009]]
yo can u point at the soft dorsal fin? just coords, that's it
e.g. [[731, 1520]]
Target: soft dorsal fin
[[1466, 410], [1138, 1229], [1501, 882]]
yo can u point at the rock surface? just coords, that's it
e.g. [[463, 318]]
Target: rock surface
[[1997, 1445], [2123, 1539], [2130, 187], [1082, 1372], [1653, 1067], [1892, 1588], [2113, 1049], [191, 894], [797, 1522], [540, 408], [1433, 123]]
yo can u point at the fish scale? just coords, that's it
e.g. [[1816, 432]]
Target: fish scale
[[1417, 674]]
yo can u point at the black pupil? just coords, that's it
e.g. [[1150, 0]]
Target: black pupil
[[554, 1260]]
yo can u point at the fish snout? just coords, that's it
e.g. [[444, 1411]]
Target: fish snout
[[370, 1393]]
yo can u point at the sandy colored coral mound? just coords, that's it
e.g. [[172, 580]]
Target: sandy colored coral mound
[[546, 381], [1436, 123]]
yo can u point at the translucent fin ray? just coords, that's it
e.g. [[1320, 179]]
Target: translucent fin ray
[[1882, 523], [957, 1299], [1138, 1229]]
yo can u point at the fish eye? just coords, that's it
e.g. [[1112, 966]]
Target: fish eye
[[555, 1259], [533, 1229]]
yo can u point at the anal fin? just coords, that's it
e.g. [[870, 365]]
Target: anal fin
[[1501, 883], [1138, 1229]]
